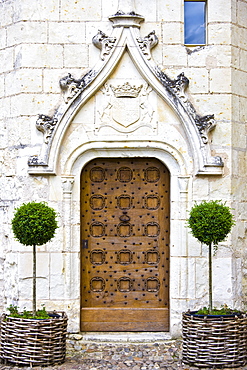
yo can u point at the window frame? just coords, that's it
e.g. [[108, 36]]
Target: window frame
[[206, 22]]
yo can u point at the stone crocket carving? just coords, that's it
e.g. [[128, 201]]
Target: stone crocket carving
[[104, 43], [46, 125], [147, 43]]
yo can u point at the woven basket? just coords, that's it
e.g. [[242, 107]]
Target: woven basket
[[214, 341], [33, 342]]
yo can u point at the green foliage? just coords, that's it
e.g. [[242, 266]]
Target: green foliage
[[210, 222], [224, 310], [34, 223], [40, 314]]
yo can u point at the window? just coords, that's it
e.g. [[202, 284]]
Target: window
[[194, 22]]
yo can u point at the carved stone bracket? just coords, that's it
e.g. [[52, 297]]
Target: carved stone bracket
[[147, 43], [104, 43], [46, 125]]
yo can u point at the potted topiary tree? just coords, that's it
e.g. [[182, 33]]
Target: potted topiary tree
[[210, 223], [37, 337], [213, 337]]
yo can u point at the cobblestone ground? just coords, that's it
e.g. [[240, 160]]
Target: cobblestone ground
[[124, 356]]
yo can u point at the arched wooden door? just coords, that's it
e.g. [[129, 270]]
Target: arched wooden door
[[125, 245]]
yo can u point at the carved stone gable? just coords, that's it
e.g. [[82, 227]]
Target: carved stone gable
[[126, 107]]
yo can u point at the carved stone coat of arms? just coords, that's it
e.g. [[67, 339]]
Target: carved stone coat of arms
[[126, 105]]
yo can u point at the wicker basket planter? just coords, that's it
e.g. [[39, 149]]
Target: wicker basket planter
[[33, 342], [216, 341]]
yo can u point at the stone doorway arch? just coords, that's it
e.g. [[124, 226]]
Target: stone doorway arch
[[162, 123], [180, 184]]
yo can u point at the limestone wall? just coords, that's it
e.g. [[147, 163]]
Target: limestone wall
[[41, 42], [239, 116]]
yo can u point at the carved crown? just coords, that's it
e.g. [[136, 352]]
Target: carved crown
[[126, 90]]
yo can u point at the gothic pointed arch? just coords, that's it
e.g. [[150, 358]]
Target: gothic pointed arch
[[125, 38]]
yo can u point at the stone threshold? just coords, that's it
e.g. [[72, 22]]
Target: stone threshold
[[120, 337]]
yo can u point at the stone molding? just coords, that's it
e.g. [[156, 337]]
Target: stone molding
[[77, 92], [131, 19]]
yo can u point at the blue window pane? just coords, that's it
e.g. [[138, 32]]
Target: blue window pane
[[194, 22]]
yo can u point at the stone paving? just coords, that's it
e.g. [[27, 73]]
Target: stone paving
[[81, 355]]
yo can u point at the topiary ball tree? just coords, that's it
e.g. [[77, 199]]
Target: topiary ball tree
[[210, 223], [34, 224]]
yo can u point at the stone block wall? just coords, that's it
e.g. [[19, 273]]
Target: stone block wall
[[239, 120], [42, 41]]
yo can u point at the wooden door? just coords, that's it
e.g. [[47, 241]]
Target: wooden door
[[125, 245]]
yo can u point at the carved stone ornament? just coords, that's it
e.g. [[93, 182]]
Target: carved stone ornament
[[147, 43], [34, 160], [204, 125], [71, 86], [104, 43], [126, 90], [126, 19], [46, 125], [120, 12], [67, 184]]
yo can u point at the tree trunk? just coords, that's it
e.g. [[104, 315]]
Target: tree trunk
[[210, 280], [34, 280]]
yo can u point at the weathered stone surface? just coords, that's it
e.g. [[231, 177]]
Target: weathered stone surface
[[43, 41], [27, 32]]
